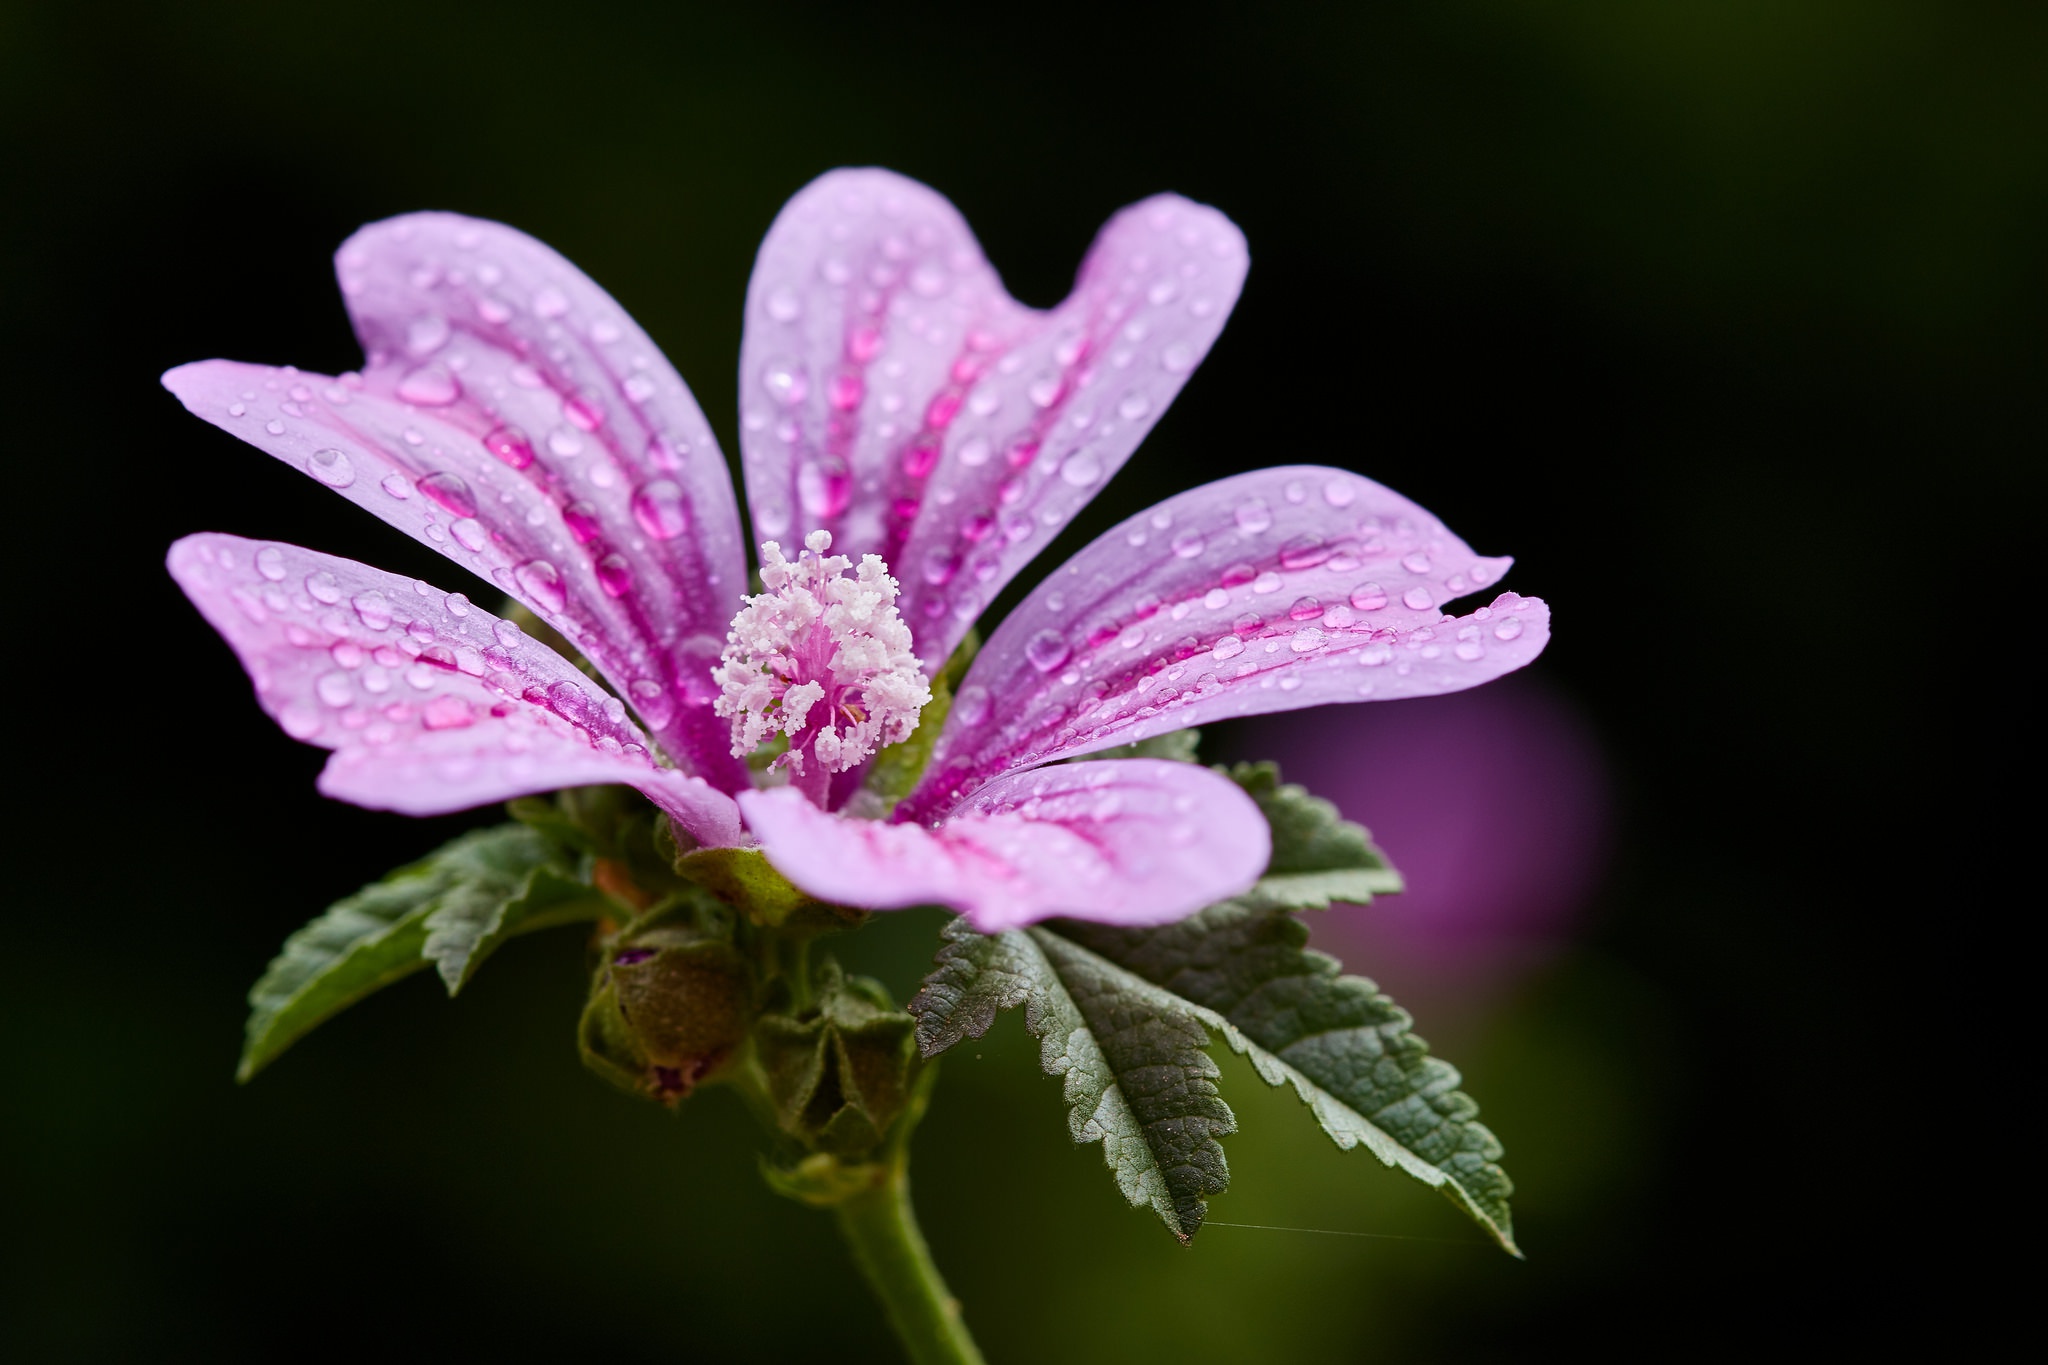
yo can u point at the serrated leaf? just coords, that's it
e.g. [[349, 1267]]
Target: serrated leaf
[[387, 930], [473, 919], [1318, 856], [1124, 1015], [1136, 1077], [1345, 1047]]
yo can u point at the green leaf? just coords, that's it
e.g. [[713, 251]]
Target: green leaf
[[1177, 745], [1318, 855], [1137, 1078], [452, 908], [1123, 1014]]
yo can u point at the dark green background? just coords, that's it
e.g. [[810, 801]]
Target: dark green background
[[1726, 319]]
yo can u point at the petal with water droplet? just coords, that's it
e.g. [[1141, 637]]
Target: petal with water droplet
[[539, 349], [457, 739], [1134, 842], [871, 303]]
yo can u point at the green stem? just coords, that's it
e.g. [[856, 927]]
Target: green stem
[[881, 1227]]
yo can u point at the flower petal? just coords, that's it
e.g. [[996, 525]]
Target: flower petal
[[429, 703], [1131, 842], [1269, 591], [512, 416], [892, 393]]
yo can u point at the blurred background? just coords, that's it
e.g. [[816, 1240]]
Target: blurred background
[[1725, 319]]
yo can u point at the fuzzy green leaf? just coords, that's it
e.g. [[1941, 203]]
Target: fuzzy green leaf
[[1345, 1047], [1318, 855], [451, 908], [1124, 1015], [1136, 1076]]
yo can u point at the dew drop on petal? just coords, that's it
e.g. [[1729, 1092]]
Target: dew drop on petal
[[447, 713], [971, 707], [1178, 358], [1081, 469], [270, 563], [1508, 629], [582, 520], [1470, 650], [397, 485], [660, 509], [508, 632], [1187, 544], [542, 582], [510, 445], [332, 467], [299, 720], [457, 604], [1368, 597], [321, 587], [1416, 599], [373, 609], [449, 491], [1229, 647], [1306, 639], [614, 575], [1305, 609], [1253, 515], [430, 386], [1047, 650], [470, 534]]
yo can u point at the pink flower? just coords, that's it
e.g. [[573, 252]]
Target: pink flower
[[894, 397]]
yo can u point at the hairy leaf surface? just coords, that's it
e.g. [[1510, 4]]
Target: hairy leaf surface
[[1123, 1013], [451, 908], [1318, 855]]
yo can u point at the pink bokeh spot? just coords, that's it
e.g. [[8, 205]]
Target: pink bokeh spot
[[1495, 804]]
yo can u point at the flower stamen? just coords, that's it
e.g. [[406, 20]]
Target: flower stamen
[[821, 657]]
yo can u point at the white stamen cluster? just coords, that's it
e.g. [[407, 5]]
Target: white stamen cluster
[[815, 635]]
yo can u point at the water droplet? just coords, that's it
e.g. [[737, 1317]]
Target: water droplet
[[582, 520], [510, 445], [940, 566], [1469, 651], [429, 386], [1187, 544], [824, 487], [508, 632], [785, 382], [424, 336], [1416, 599], [584, 412], [784, 304], [397, 485], [1216, 600], [1178, 358], [470, 534], [1415, 562], [1368, 597], [1247, 622], [451, 492], [660, 508], [1306, 639], [1253, 515], [564, 441], [323, 588], [1303, 552], [373, 609], [1229, 647], [614, 575], [1081, 469], [650, 699], [1305, 609], [274, 427], [542, 582], [447, 713], [1266, 582], [299, 720], [1133, 407], [335, 689], [1339, 492], [332, 467], [1375, 654], [457, 604], [550, 303], [1047, 650], [270, 563], [1508, 629], [421, 631], [971, 707]]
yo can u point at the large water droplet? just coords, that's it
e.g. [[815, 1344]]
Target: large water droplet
[[940, 567], [1266, 582], [424, 336], [1216, 599], [332, 467], [470, 534], [270, 563], [1081, 469], [1178, 358], [335, 689], [447, 713], [450, 491], [651, 700], [373, 609], [971, 707], [1305, 609], [1253, 515], [542, 582], [323, 588], [1416, 599], [661, 509], [508, 632], [1368, 597], [1339, 492], [397, 486], [1508, 629], [1306, 639], [582, 520], [299, 720], [824, 487], [1229, 647], [1303, 552], [1187, 544], [510, 445], [429, 386], [614, 575], [1047, 650]]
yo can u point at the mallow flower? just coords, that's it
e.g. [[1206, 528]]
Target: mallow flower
[[911, 436]]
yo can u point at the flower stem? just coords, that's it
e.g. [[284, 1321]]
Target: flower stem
[[881, 1227]]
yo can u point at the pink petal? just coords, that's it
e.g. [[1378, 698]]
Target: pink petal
[[1269, 591], [1133, 842], [892, 392], [429, 703], [512, 416]]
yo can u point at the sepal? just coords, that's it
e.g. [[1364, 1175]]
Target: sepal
[[838, 1074], [671, 1001]]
